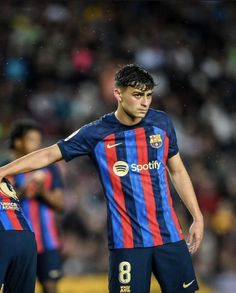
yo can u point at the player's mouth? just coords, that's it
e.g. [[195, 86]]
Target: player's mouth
[[143, 111]]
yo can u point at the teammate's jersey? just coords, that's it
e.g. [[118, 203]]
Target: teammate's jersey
[[131, 161], [11, 214], [39, 213]]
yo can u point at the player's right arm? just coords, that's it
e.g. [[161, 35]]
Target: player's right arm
[[35, 160]]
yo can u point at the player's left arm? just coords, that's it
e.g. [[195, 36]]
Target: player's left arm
[[183, 185], [54, 198]]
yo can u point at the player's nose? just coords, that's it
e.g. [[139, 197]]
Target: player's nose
[[144, 101]]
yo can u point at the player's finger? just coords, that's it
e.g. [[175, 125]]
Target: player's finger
[[195, 245], [191, 248], [189, 239], [191, 243]]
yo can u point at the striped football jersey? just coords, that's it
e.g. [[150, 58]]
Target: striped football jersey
[[131, 161]]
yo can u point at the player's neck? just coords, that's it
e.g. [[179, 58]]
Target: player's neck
[[125, 118]]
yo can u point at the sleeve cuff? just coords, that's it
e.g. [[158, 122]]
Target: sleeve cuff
[[172, 154], [60, 144]]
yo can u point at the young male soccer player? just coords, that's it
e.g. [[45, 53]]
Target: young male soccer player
[[18, 255], [133, 148], [40, 194]]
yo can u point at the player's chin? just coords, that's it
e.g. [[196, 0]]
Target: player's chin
[[141, 114]]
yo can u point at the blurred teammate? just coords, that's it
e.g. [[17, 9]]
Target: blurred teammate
[[133, 148], [18, 255], [40, 194]]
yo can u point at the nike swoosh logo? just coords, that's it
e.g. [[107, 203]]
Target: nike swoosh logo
[[109, 146], [188, 284]]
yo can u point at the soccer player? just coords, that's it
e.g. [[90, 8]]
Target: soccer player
[[18, 255], [40, 194], [133, 148]]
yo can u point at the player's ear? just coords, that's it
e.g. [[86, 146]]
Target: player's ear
[[117, 94]]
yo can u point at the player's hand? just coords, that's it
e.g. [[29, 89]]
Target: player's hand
[[195, 235], [34, 184]]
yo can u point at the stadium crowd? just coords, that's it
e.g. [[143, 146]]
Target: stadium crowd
[[57, 63]]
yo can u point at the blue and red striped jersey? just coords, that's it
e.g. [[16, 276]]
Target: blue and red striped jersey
[[131, 161], [37, 211], [11, 214]]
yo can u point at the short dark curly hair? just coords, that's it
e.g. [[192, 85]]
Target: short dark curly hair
[[20, 128], [135, 76]]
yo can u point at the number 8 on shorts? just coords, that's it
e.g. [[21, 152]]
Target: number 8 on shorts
[[124, 272]]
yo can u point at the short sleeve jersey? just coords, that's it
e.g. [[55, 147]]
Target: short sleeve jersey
[[131, 161]]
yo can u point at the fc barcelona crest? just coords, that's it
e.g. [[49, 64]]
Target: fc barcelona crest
[[155, 140]]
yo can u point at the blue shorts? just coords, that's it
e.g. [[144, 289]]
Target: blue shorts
[[130, 269], [49, 265], [18, 258]]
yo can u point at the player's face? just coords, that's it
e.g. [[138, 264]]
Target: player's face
[[30, 142], [134, 102]]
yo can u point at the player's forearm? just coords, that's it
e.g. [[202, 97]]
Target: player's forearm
[[184, 187], [35, 160]]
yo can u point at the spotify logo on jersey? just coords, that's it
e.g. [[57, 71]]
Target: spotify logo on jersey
[[121, 168]]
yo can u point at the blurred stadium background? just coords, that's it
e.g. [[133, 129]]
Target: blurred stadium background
[[57, 61]]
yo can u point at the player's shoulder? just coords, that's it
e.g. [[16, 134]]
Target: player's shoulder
[[85, 130], [158, 115], [95, 130], [100, 126], [161, 120], [100, 122]]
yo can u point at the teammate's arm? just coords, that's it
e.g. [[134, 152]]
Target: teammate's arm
[[54, 198], [35, 160], [183, 185]]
